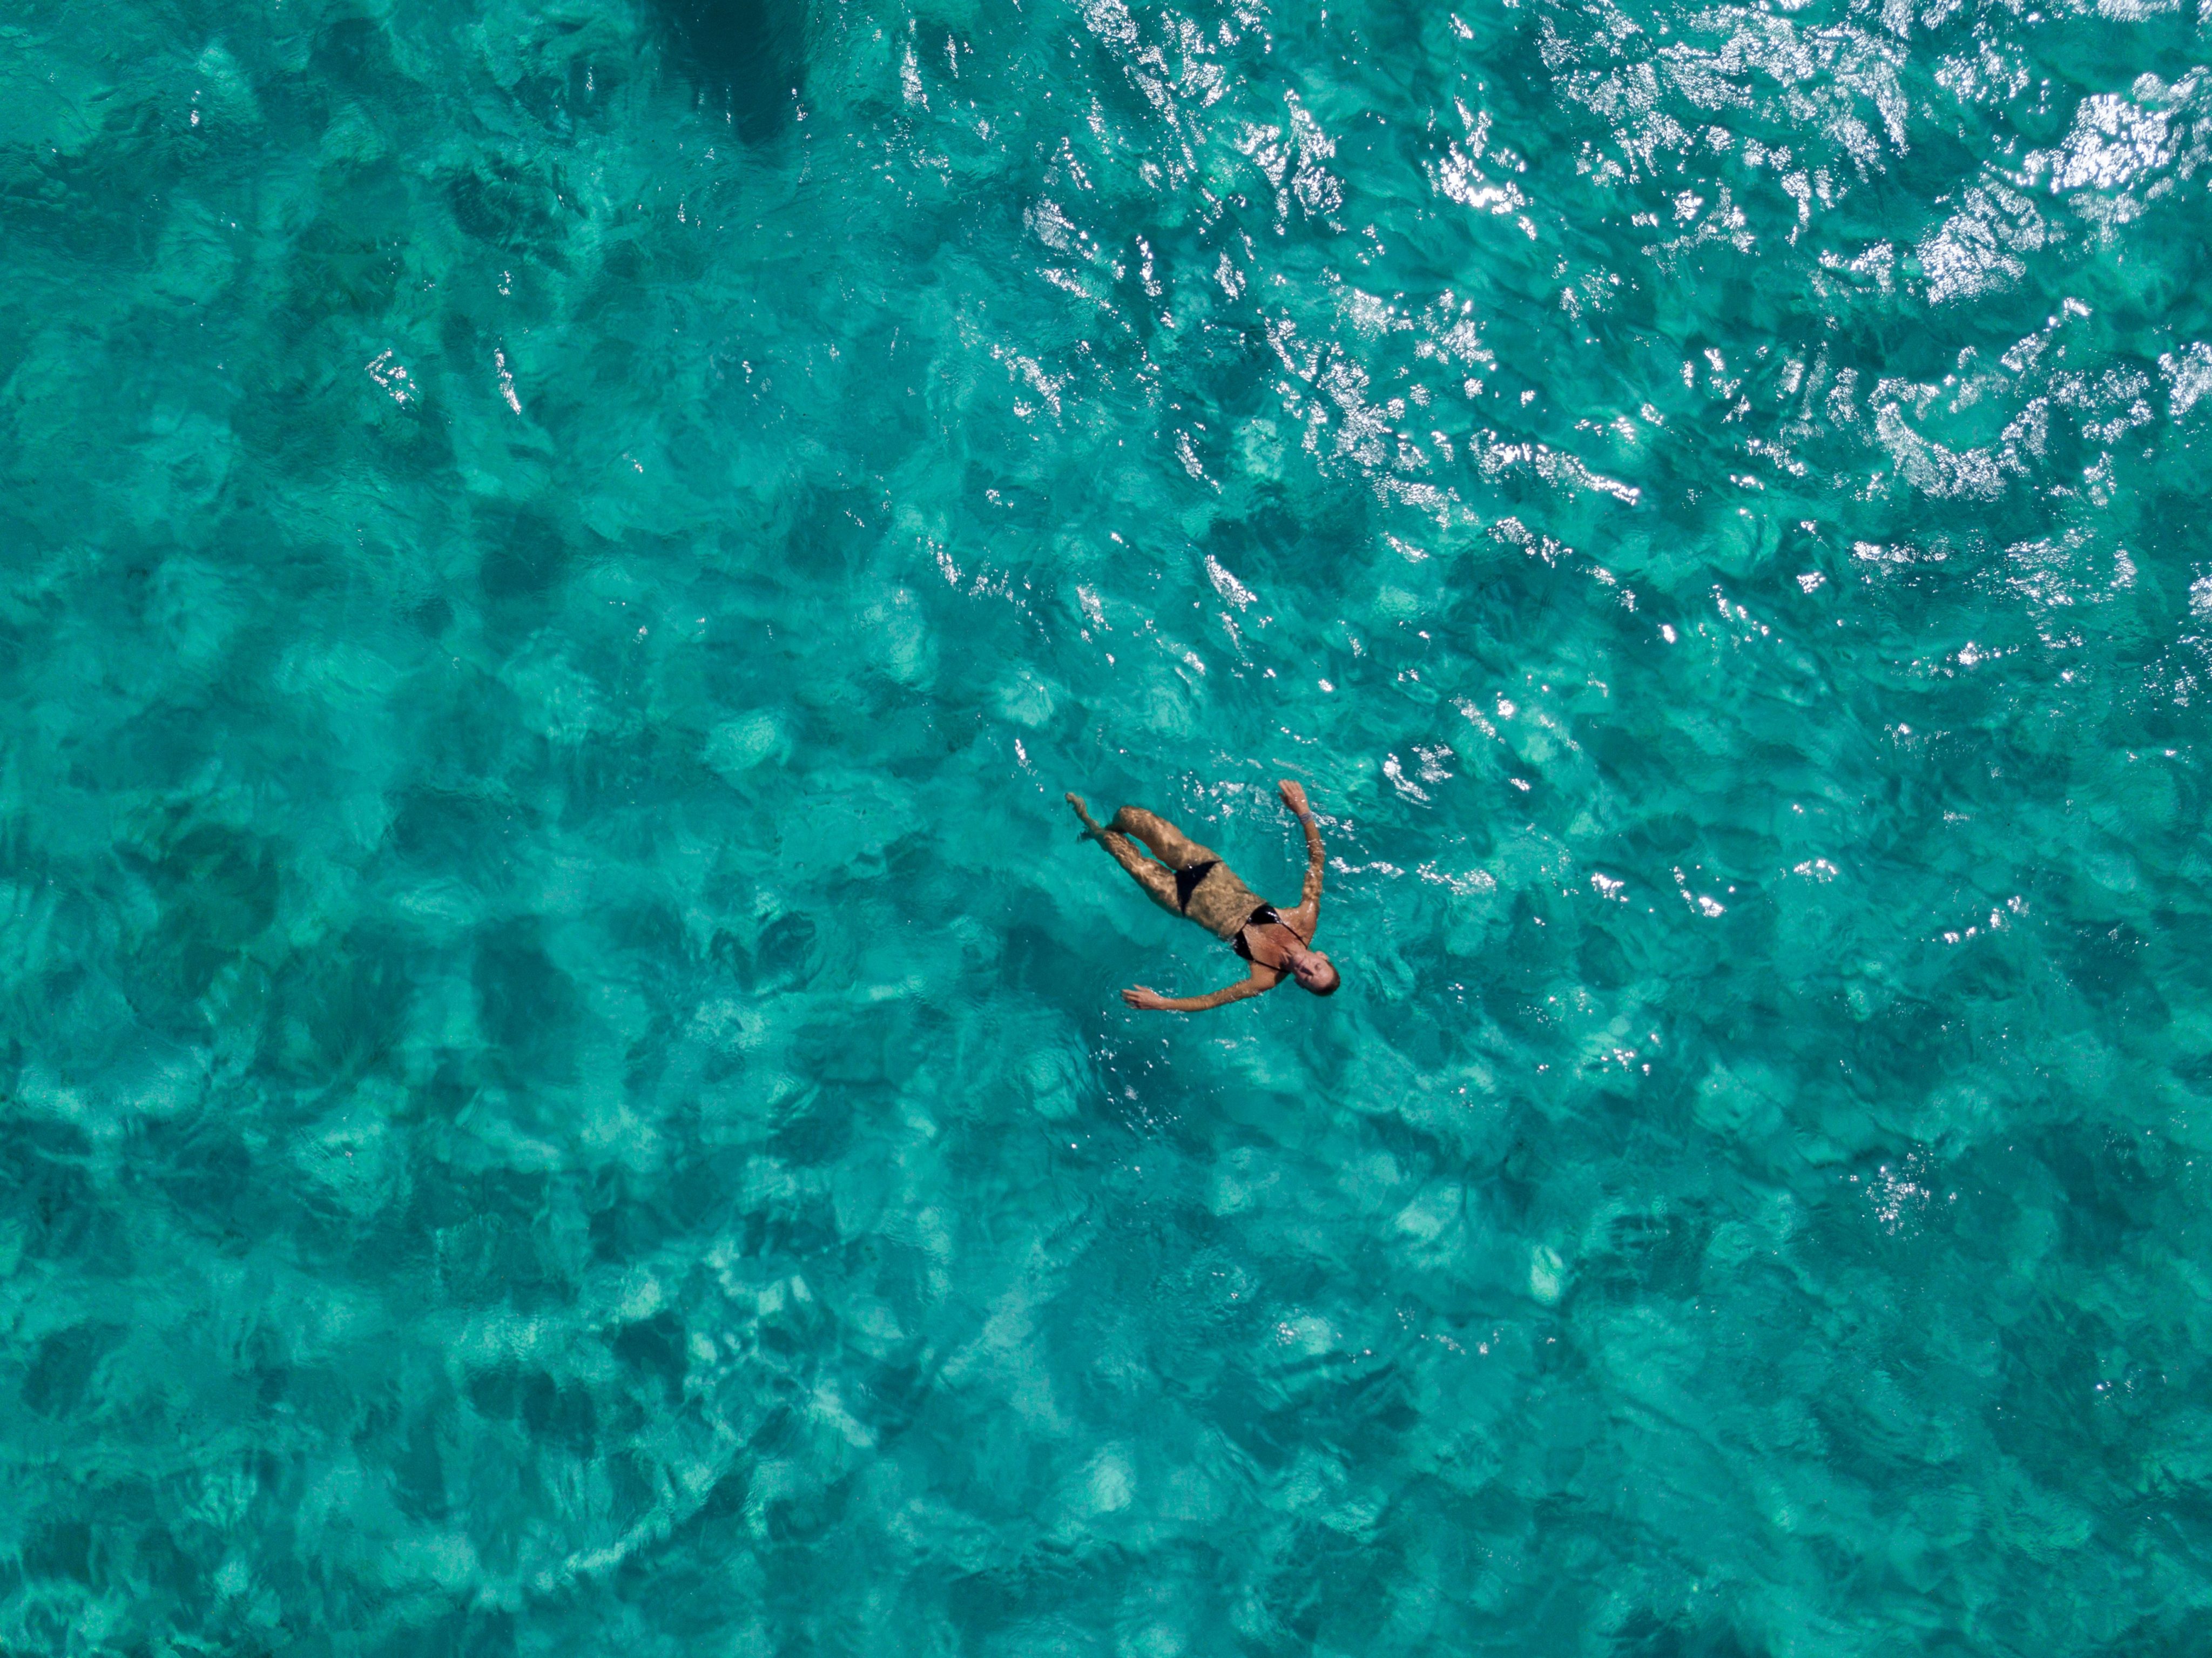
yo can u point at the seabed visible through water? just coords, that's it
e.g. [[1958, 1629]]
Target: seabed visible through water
[[562, 1087]]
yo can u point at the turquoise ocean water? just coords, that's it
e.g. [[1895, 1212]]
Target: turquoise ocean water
[[561, 1086]]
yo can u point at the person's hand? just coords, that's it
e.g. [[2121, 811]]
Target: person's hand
[[1144, 996], [1294, 796]]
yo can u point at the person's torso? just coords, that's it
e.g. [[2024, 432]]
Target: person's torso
[[1221, 903]]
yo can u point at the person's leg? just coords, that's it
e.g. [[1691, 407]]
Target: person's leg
[[1169, 844], [1157, 880]]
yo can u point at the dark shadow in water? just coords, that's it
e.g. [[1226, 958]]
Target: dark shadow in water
[[747, 59]]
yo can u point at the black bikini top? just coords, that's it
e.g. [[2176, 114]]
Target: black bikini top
[[1261, 917]]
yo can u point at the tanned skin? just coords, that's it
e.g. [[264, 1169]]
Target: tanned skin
[[1219, 902]]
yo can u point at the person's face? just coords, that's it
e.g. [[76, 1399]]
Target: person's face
[[1316, 972]]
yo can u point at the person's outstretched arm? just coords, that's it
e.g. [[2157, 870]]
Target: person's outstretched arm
[[1146, 997], [1294, 796]]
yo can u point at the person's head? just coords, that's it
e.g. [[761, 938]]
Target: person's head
[[1316, 972]]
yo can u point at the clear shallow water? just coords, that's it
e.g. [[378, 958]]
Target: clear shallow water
[[563, 1084]]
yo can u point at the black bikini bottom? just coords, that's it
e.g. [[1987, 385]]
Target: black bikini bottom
[[1187, 881]]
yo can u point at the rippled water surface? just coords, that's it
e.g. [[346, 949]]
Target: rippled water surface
[[563, 1086]]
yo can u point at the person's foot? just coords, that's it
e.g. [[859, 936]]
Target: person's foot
[[1091, 829]]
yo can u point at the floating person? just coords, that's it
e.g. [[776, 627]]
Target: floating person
[[1192, 882]]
